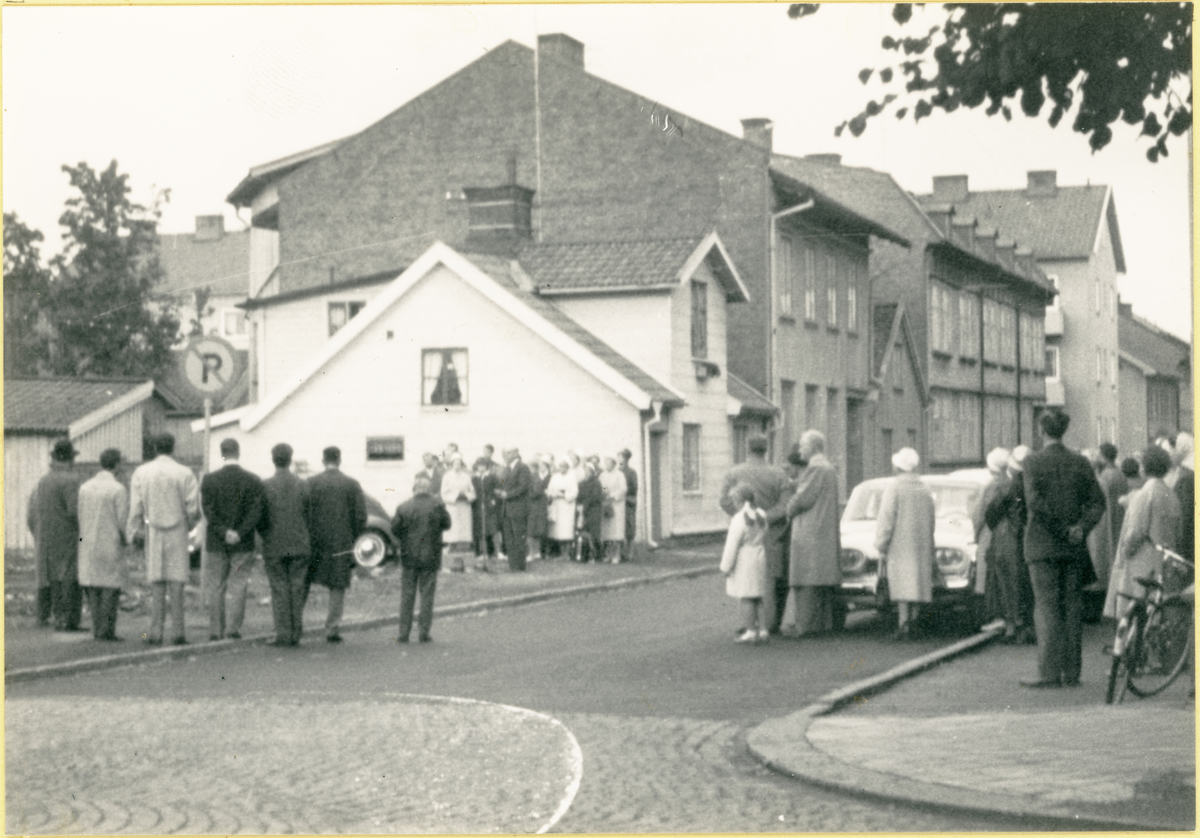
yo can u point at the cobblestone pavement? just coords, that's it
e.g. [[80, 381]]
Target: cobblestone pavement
[[279, 765], [686, 775]]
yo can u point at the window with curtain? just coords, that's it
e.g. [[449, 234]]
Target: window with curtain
[[783, 276], [810, 284], [340, 313], [444, 377]]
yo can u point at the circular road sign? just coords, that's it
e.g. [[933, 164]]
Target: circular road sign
[[210, 366]]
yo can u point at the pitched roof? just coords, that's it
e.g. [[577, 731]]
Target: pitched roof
[[749, 400], [221, 264], [891, 320], [1062, 225], [501, 271], [505, 284], [628, 265], [65, 405], [835, 212], [1158, 352], [259, 176], [868, 191]]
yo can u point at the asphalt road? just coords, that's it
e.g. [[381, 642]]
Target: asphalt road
[[648, 681]]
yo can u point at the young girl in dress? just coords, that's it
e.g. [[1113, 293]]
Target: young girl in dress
[[744, 563]]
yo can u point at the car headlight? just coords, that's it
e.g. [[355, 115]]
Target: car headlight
[[951, 561], [852, 561]]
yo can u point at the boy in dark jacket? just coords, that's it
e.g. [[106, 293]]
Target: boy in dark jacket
[[418, 525]]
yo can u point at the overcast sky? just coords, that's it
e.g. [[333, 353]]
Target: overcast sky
[[189, 98]]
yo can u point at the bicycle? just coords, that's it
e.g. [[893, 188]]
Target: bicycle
[[1154, 639]]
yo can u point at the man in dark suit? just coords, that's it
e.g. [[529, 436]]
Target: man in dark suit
[[631, 486], [285, 546], [515, 485], [234, 506], [418, 525], [337, 517], [1064, 502]]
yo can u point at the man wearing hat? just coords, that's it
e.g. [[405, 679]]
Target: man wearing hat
[[771, 491], [286, 545], [1064, 501], [631, 490], [53, 518], [337, 517], [164, 504]]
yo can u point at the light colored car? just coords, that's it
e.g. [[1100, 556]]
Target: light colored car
[[864, 582]]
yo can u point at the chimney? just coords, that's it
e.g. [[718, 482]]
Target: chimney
[[825, 159], [499, 218], [1005, 250], [758, 131], [950, 189], [209, 228], [1042, 183], [559, 47], [940, 215]]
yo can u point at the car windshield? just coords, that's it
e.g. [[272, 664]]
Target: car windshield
[[950, 500], [863, 504], [953, 499]]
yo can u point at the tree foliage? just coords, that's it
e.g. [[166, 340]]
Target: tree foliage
[[96, 308], [1100, 61], [26, 288]]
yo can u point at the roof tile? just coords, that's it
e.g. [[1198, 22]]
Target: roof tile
[[50, 405]]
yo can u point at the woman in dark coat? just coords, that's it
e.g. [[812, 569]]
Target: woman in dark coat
[[1009, 591], [485, 516], [591, 501]]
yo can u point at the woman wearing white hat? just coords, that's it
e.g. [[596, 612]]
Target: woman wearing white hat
[[904, 538], [458, 493]]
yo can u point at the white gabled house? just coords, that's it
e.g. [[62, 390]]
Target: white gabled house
[[594, 347]]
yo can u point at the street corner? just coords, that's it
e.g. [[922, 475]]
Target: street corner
[[378, 765]]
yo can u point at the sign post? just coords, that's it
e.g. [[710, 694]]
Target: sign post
[[210, 367], [207, 431]]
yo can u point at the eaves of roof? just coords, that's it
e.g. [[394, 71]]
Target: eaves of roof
[[749, 400], [833, 212], [317, 290], [260, 176], [68, 405]]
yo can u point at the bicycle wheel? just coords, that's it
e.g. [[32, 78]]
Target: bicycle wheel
[[1123, 643], [1162, 650]]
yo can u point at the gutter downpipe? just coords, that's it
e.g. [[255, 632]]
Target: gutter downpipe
[[656, 407], [771, 381]]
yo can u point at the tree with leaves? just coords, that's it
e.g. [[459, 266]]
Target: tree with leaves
[[26, 289], [1100, 61], [101, 307]]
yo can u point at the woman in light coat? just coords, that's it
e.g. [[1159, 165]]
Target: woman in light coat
[[561, 491], [1153, 517], [612, 527], [458, 492], [744, 563], [904, 537]]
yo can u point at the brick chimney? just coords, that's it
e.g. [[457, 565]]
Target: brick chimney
[[950, 189], [1042, 183], [209, 228], [759, 131], [825, 159], [499, 218], [560, 47]]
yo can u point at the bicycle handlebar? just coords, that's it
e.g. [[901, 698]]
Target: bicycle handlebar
[[1173, 556]]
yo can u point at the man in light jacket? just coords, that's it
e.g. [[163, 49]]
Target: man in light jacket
[[103, 513]]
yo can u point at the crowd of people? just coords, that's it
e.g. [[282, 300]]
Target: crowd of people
[[306, 530], [1051, 526]]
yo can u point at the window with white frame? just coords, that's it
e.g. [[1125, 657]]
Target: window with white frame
[[784, 276], [810, 284], [1099, 365], [852, 308], [831, 281], [341, 312], [699, 319], [1098, 293], [941, 315], [233, 322], [968, 320], [1112, 369], [691, 458], [444, 376], [1051, 366]]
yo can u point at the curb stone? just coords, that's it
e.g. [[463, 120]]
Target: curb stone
[[166, 653], [782, 745]]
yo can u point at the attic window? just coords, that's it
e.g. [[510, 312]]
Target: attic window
[[341, 312], [444, 377]]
